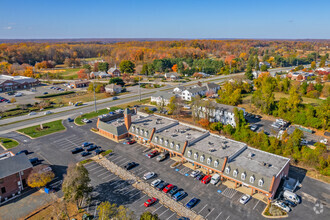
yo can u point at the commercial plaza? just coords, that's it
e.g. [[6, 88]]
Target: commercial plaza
[[259, 171]]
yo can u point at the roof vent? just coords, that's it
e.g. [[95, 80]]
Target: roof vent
[[212, 149], [250, 155], [210, 143], [145, 123]]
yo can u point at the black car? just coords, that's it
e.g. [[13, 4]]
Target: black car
[[130, 165], [289, 203], [85, 153], [23, 152], [45, 93], [77, 150], [98, 151], [199, 177], [161, 186], [91, 148], [34, 161], [86, 144], [174, 190], [70, 120]]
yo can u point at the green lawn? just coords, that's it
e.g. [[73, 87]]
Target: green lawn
[[8, 143], [49, 128], [93, 114]]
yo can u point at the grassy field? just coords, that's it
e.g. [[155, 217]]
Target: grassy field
[[94, 114], [8, 143], [49, 128]]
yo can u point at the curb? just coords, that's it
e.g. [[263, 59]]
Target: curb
[[272, 217], [3, 147]]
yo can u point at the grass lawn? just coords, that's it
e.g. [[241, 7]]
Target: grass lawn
[[93, 114], [8, 143], [49, 128]]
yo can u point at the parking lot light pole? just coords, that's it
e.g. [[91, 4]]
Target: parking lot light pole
[[94, 97]]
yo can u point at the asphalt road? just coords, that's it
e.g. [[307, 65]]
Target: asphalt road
[[55, 150]]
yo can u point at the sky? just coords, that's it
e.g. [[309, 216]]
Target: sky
[[58, 19]]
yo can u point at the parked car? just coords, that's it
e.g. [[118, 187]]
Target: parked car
[[324, 141], [149, 175], [130, 165], [156, 182], [206, 179], [115, 98], [32, 113], [195, 173], [86, 144], [98, 151], [304, 142], [70, 120], [91, 148], [253, 127], [200, 176], [168, 188], [161, 186], [85, 153], [45, 93], [174, 190], [215, 179], [289, 203], [130, 142], [85, 120], [192, 203], [152, 154], [183, 218], [149, 202], [244, 199], [77, 150], [26, 152], [48, 112], [179, 195], [291, 196], [162, 156], [282, 206], [18, 94], [34, 161]]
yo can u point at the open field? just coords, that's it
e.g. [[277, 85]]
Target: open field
[[8, 143], [49, 128]]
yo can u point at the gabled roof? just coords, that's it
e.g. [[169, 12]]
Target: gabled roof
[[197, 89], [164, 95], [171, 74], [112, 86], [212, 86], [14, 164], [112, 69]]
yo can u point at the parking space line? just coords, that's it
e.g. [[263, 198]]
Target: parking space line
[[112, 178], [163, 213], [209, 213], [119, 161], [122, 163], [123, 189], [129, 191], [106, 171], [202, 209], [256, 204], [94, 168], [119, 185], [99, 170], [113, 160], [135, 195], [227, 218], [170, 216], [168, 162], [89, 165], [218, 216], [157, 209], [107, 176], [73, 143]]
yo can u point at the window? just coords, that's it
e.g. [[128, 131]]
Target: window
[[178, 147], [189, 153], [172, 145], [216, 163], [166, 143], [243, 176], [195, 156], [146, 133], [202, 158], [161, 141], [141, 131], [156, 139], [209, 160], [3, 190], [261, 182], [137, 130], [133, 128], [251, 179], [235, 172], [227, 170]]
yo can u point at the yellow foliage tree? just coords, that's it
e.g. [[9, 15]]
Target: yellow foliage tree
[[28, 71], [40, 176]]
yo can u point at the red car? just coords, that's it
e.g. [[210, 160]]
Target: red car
[[152, 154], [168, 188], [150, 202], [130, 142], [206, 179]]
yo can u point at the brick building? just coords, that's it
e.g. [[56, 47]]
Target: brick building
[[14, 171], [80, 84], [10, 83]]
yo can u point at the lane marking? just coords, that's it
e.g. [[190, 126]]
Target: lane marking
[[218, 216], [129, 191], [136, 195], [170, 216], [202, 209], [163, 213], [209, 213], [227, 218], [157, 209], [256, 204]]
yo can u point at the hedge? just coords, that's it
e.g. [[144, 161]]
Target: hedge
[[55, 94]]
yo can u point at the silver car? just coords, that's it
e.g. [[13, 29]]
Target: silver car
[[282, 206], [149, 175]]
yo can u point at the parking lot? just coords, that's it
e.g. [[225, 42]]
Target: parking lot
[[216, 202]]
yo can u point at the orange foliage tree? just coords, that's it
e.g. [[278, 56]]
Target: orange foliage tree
[[204, 122], [82, 74], [175, 68]]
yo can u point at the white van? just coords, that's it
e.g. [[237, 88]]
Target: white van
[[215, 179], [291, 196]]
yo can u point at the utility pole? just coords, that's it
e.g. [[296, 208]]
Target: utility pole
[[140, 89], [94, 97]]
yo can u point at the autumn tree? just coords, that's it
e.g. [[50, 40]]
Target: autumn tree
[[127, 66], [40, 176], [103, 66], [109, 211], [204, 122], [313, 65], [83, 74], [174, 107], [28, 71], [87, 67], [149, 216], [76, 184], [175, 68]]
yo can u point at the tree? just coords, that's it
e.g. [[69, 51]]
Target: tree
[[117, 81], [83, 74], [264, 68], [76, 184], [103, 66], [174, 107], [40, 176], [144, 69], [248, 72], [175, 68], [109, 211], [87, 67], [127, 66], [148, 216], [204, 122], [313, 65]]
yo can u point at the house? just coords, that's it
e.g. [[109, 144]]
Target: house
[[212, 87], [242, 166], [113, 88], [179, 89], [14, 171], [264, 63], [10, 83], [162, 98], [99, 74], [80, 83], [114, 72], [171, 76], [217, 112], [190, 93]]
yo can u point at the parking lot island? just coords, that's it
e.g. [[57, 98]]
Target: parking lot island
[[43, 129]]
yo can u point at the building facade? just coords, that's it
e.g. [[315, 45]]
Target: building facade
[[11, 83], [114, 72], [80, 84]]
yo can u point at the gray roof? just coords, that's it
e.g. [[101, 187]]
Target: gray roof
[[153, 121], [171, 74], [14, 164], [113, 69], [164, 95], [197, 89], [227, 108], [112, 86], [18, 79], [212, 85], [116, 129]]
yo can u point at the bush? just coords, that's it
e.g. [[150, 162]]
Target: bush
[[54, 95]]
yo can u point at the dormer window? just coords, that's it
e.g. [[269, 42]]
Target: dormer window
[[202, 158], [216, 163], [146, 133], [137, 130], [141, 131], [261, 182], [227, 170], [166, 143], [243, 176], [177, 147], [189, 153], [235, 172], [161, 141], [209, 160], [172, 145], [156, 139], [133, 128], [195, 156], [251, 179]]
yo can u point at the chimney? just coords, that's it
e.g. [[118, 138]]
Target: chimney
[[128, 119]]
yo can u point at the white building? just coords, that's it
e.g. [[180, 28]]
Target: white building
[[162, 98], [112, 88], [188, 94]]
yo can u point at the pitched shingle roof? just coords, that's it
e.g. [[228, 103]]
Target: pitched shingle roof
[[14, 164]]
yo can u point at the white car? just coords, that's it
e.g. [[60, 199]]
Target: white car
[[303, 142], [282, 206], [253, 127], [148, 175], [48, 112], [32, 113], [18, 94], [244, 199], [324, 141], [195, 173], [155, 182], [85, 120]]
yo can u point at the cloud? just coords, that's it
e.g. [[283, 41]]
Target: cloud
[[8, 28]]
